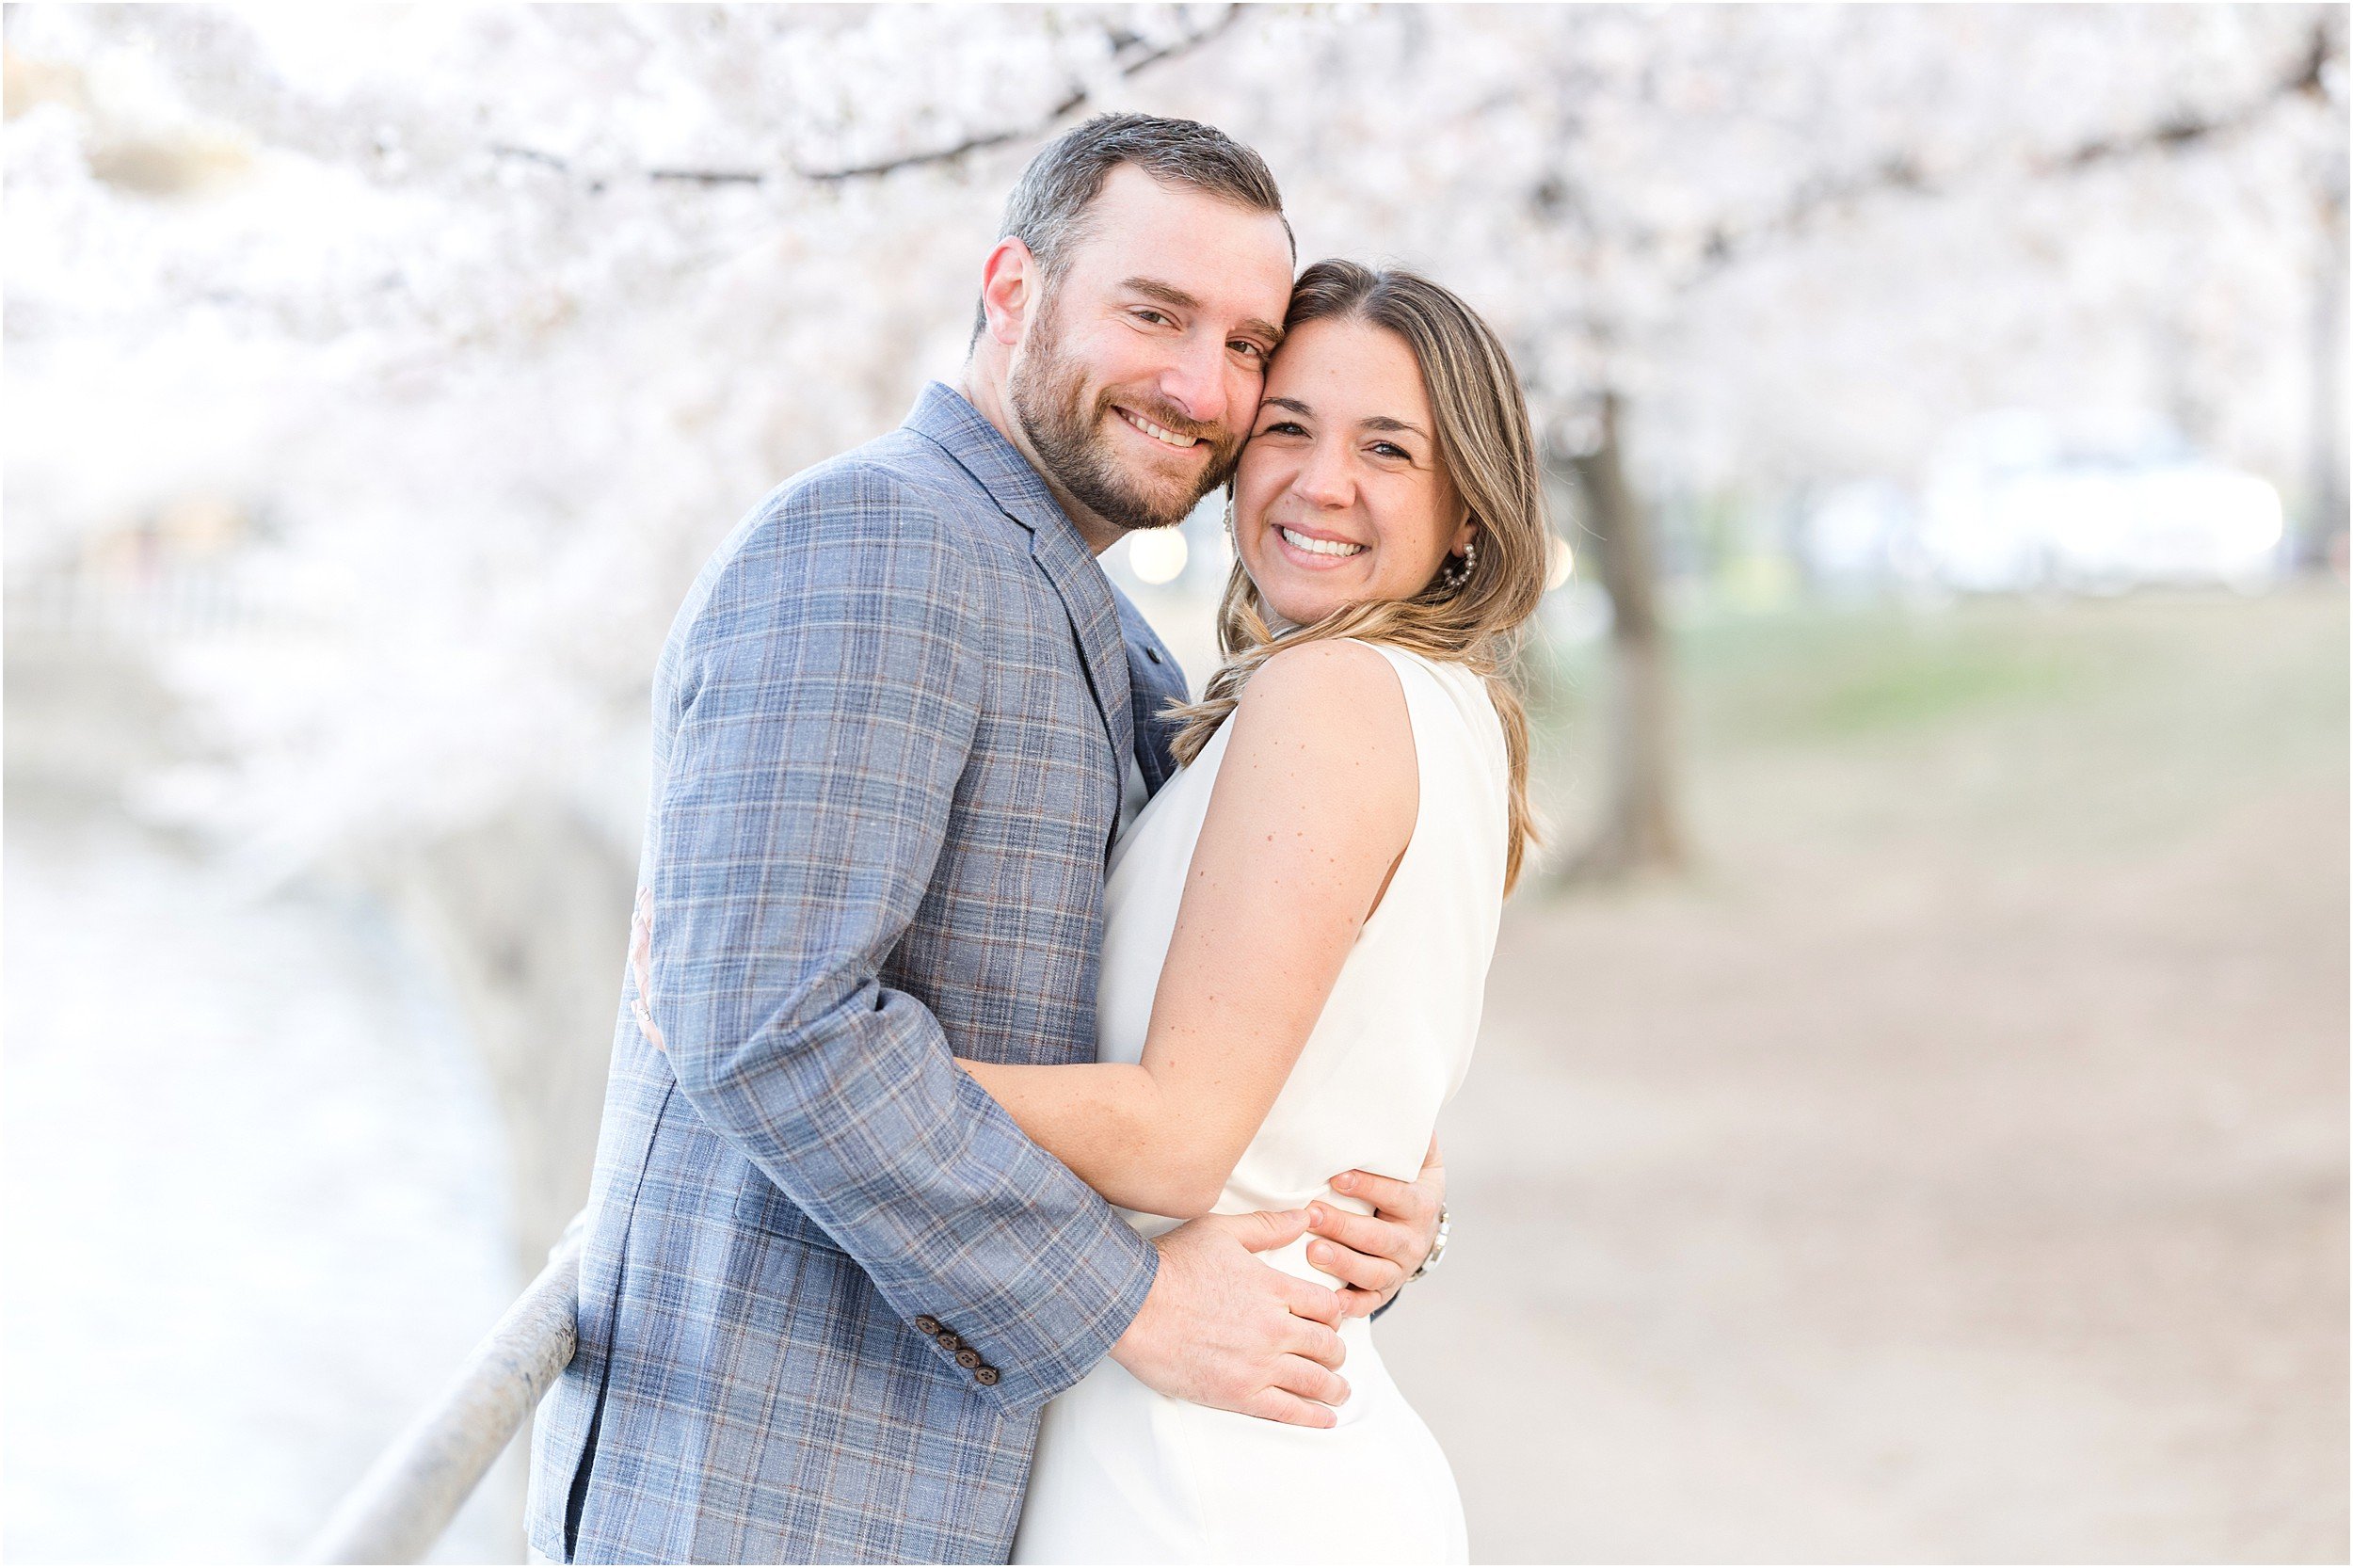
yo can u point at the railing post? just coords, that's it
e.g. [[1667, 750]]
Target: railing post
[[407, 1499]]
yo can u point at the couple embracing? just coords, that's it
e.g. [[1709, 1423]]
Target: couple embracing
[[1025, 1083]]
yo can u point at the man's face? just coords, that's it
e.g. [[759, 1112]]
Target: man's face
[[1138, 377]]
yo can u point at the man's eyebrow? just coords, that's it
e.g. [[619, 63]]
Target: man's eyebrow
[[1167, 294], [1177, 298]]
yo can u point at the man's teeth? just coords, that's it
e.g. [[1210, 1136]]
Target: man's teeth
[[1320, 547], [1171, 437]]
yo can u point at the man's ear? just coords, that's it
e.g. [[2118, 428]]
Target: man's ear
[[1009, 290]]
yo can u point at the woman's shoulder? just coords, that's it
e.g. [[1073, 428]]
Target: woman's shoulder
[[1348, 693], [1362, 666], [1356, 670], [1372, 684], [1332, 713], [1324, 669], [1333, 687]]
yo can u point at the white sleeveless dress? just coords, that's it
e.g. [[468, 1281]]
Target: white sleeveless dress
[[1126, 1474]]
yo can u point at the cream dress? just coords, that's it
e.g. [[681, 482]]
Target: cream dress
[[1126, 1475]]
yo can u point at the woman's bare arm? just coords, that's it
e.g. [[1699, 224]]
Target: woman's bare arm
[[1312, 809]]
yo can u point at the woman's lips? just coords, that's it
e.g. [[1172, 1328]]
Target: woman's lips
[[1312, 552]]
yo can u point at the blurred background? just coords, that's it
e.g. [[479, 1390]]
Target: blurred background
[[1910, 1120]]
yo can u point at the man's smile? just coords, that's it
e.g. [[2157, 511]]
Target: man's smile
[[1165, 437]]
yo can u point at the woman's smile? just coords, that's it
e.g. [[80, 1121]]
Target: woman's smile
[[1314, 550]]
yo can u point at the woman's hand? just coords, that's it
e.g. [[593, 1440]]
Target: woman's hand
[[1372, 1254]]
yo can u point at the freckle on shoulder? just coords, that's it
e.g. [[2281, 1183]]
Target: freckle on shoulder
[[1334, 664]]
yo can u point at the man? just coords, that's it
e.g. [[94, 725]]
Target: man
[[828, 1283]]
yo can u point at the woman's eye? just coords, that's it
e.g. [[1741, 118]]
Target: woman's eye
[[1390, 449], [1283, 427]]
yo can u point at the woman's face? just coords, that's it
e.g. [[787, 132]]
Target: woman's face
[[1340, 497]]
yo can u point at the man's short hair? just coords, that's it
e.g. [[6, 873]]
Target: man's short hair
[[1047, 208]]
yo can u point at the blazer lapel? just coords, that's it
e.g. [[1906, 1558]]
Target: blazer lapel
[[1086, 598], [1156, 681], [943, 415]]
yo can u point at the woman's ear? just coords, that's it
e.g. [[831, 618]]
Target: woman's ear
[[1465, 532]]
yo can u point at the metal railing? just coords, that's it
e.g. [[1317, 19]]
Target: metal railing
[[407, 1499]]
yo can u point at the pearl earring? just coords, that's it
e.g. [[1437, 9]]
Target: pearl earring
[[1458, 572]]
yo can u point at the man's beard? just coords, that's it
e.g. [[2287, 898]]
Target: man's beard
[[1065, 426]]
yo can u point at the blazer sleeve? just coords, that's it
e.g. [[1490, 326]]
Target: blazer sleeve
[[823, 706]]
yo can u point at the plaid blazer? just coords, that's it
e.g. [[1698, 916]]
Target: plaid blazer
[[828, 1283]]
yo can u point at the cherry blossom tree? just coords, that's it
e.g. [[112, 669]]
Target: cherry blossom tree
[[489, 322]]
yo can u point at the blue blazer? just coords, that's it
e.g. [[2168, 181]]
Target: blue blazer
[[828, 1283]]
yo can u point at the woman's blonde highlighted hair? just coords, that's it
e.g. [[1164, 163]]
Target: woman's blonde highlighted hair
[[1489, 452]]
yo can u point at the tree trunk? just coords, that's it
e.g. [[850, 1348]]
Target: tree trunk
[[1639, 830], [2324, 530]]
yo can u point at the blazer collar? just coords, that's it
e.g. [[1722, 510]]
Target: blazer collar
[[944, 416]]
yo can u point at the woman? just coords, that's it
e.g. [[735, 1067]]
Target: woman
[[1300, 922]]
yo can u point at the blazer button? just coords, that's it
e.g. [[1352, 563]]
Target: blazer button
[[927, 1324], [984, 1376], [949, 1342], [969, 1358], [1153, 654]]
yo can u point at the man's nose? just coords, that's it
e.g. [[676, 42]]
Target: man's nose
[[1196, 383]]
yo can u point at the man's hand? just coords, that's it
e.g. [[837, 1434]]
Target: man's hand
[[1220, 1328], [1373, 1253]]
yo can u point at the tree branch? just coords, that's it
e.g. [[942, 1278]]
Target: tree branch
[[708, 176], [530, 154], [1077, 99], [947, 154], [1898, 172]]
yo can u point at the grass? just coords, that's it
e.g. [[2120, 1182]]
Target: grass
[[2119, 719]]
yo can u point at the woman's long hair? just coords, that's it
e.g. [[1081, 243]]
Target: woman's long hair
[[1490, 453]]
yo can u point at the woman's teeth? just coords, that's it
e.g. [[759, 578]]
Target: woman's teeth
[[1170, 438], [1319, 547]]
